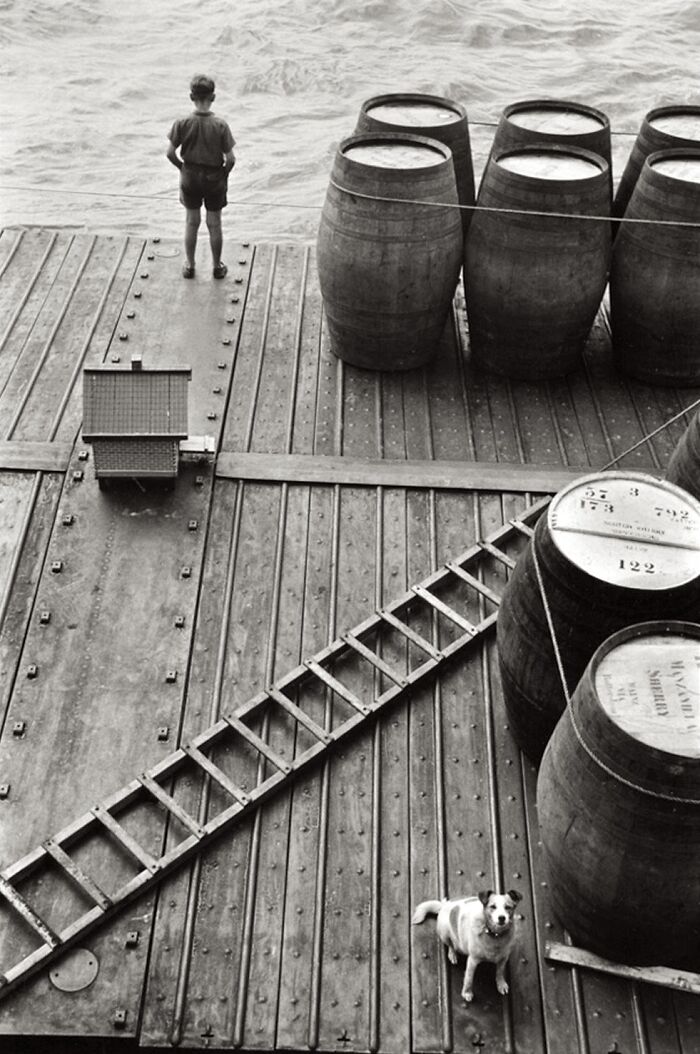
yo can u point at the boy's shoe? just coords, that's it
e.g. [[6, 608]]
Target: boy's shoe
[[188, 271], [220, 271]]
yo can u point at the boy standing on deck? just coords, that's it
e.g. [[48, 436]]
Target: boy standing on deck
[[206, 158]]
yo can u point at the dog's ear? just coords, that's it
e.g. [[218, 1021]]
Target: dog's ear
[[484, 896], [514, 895]]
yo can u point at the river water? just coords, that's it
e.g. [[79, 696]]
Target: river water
[[89, 88]]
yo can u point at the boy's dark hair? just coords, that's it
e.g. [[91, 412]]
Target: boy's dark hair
[[201, 87]]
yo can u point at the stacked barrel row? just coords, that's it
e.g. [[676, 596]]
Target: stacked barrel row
[[599, 653], [598, 630], [399, 224]]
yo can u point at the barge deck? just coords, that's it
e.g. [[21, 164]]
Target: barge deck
[[334, 490]]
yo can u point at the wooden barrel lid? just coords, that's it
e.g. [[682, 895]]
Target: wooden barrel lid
[[650, 686], [683, 125], [629, 530], [555, 121], [413, 114], [547, 164], [685, 168], [395, 154]]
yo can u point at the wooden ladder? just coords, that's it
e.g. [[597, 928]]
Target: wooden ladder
[[102, 820]]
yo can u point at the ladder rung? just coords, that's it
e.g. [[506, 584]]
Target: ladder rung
[[522, 527], [412, 635], [376, 660], [444, 608], [216, 774], [161, 795], [336, 686], [258, 743], [83, 881], [28, 914], [298, 714], [124, 838], [475, 583], [493, 551]]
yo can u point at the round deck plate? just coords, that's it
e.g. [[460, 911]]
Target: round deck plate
[[76, 971]]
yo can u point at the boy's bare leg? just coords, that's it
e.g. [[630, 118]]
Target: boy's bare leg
[[192, 221], [216, 238]]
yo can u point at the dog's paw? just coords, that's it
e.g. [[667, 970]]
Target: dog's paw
[[468, 996], [502, 987]]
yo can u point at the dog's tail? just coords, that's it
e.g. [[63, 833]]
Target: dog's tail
[[428, 907]]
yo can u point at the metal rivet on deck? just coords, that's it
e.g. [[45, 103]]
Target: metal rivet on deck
[[83, 455], [231, 319], [179, 621], [163, 734], [78, 476], [19, 728], [193, 525], [217, 389], [131, 314], [235, 299], [156, 240], [68, 520], [132, 938], [32, 670], [123, 336], [199, 481], [56, 566], [4, 790], [185, 572], [171, 676], [226, 341], [151, 256], [116, 358], [211, 416], [239, 281], [243, 262], [144, 274], [221, 365], [45, 618], [119, 1019], [137, 295]]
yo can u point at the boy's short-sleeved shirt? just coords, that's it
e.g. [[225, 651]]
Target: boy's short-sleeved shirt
[[203, 137]]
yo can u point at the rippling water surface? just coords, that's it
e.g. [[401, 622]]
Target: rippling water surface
[[88, 89]]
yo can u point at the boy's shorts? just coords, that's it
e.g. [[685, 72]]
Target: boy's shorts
[[200, 183]]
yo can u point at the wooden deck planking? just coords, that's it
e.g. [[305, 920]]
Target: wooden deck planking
[[28, 509], [238, 908], [116, 604]]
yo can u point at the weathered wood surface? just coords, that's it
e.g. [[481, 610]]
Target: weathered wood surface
[[295, 932], [347, 471]]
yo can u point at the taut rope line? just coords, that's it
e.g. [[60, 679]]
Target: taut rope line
[[368, 197], [577, 732]]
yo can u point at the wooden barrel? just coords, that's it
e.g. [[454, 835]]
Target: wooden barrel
[[613, 548], [554, 122], [533, 283], [664, 128], [432, 116], [684, 466], [388, 257], [618, 800], [654, 302]]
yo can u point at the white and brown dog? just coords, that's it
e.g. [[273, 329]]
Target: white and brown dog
[[482, 928]]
